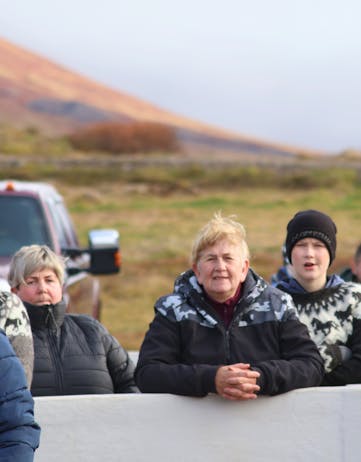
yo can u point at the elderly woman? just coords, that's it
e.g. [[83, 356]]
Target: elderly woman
[[74, 354], [224, 329]]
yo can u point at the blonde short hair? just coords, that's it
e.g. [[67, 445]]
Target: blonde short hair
[[33, 258], [216, 229]]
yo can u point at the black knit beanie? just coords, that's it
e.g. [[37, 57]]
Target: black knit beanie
[[312, 223]]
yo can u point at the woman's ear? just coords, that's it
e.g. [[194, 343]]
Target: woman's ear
[[195, 269], [245, 268]]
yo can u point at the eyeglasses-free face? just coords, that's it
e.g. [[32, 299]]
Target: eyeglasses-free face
[[40, 288]]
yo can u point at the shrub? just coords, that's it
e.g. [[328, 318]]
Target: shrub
[[125, 137]]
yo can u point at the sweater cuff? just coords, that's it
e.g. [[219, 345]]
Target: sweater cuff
[[335, 353]]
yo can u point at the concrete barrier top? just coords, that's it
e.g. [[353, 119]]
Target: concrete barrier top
[[314, 424]]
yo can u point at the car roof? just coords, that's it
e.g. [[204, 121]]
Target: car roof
[[35, 187]]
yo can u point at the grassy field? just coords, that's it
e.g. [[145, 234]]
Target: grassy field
[[158, 201], [157, 224]]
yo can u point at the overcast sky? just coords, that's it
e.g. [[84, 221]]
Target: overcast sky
[[282, 70]]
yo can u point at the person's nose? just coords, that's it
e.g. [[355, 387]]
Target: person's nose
[[310, 251], [41, 286], [220, 264]]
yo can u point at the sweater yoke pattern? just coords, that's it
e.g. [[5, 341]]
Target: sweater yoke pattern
[[329, 314]]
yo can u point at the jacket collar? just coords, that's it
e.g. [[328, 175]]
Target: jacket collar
[[292, 286], [49, 316], [187, 286]]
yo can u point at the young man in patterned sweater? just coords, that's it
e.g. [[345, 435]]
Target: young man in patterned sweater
[[328, 306]]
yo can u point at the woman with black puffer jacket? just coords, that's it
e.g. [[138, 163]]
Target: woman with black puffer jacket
[[74, 354]]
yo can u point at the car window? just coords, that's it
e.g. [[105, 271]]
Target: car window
[[22, 223], [63, 224]]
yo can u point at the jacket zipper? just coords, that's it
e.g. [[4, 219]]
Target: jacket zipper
[[55, 354], [224, 330], [227, 346]]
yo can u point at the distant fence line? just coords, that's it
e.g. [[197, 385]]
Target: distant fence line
[[128, 162]]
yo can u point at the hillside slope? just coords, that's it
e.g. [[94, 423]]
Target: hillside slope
[[35, 91]]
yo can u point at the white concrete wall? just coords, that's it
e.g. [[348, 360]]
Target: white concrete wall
[[309, 425]]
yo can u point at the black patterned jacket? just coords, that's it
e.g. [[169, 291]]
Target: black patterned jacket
[[187, 341]]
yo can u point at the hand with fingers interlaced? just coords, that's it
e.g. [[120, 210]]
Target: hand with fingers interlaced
[[237, 382]]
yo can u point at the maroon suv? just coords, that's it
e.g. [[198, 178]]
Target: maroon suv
[[35, 213]]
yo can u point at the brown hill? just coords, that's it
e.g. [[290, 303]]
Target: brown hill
[[37, 92]]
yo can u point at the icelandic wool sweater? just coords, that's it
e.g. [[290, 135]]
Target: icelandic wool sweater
[[15, 322], [333, 318], [187, 341], [76, 355]]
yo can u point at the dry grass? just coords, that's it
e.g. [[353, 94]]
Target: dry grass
[[158, 202], [157, 230]]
